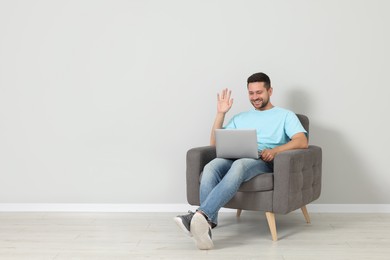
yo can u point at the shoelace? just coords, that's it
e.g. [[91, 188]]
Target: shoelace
[[189, 216]]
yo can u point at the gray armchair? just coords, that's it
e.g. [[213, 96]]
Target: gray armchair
[[295, 182]]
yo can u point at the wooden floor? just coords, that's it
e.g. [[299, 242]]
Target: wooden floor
[[156, 236]]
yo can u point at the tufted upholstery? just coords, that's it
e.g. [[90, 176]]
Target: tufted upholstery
[[295, 182]]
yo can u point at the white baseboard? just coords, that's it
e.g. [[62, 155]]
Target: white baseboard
[[349, 208], [81, 207]]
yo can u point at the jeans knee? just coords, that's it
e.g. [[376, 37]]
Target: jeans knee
[[239, 165], [217, 167], [208, 168], [207, 176]]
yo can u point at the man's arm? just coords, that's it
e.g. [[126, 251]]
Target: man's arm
[[218, 123], [223, 106], [298, 141]]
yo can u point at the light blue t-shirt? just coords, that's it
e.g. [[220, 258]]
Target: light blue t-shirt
[[275, 126]]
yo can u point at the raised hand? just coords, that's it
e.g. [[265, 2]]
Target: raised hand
[[224, 101]]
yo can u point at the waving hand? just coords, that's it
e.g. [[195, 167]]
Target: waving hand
[[224, 101]]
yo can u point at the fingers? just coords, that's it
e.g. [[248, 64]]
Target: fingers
[[224, 101], [266, 158], [267, 155], [225, 94]]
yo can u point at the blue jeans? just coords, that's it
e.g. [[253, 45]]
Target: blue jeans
[[221, 180]]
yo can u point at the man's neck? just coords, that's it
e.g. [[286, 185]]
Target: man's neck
[[267, 107]]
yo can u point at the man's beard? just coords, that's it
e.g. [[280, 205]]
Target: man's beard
[[263, 104]]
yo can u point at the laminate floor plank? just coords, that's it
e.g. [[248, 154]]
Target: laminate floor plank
[[57, 236]]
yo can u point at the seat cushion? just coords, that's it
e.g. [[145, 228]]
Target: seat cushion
[[262, 182]]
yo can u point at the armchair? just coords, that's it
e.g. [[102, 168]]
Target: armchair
[[295, 182]]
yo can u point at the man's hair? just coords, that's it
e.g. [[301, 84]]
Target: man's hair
[[260, 77]]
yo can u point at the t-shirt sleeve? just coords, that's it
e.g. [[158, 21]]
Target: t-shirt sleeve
[[231, 124], [293, 125]]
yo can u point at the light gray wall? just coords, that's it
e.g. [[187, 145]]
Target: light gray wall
[[100, 100]]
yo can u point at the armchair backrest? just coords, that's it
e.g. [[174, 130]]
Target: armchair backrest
[[305, 122]]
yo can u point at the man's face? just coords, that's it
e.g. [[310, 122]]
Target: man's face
[[259, 95]]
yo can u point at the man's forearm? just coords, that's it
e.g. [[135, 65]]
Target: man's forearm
[[298, 142], [218, 123]]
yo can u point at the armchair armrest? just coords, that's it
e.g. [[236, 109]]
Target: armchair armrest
[[297, 178], [197, 158]]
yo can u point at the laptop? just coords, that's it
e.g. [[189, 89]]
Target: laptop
[[236, 143]]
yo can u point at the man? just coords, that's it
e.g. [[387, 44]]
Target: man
[[278, 130]]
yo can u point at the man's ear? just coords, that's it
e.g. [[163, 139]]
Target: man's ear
[[270, 90]]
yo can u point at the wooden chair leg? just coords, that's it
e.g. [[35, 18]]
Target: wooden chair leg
[[272, 225], [238, 214], [306, 214]]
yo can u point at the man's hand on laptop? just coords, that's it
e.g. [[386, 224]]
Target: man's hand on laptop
[[267, 155]]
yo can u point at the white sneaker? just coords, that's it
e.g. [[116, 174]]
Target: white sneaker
[[201, 232]]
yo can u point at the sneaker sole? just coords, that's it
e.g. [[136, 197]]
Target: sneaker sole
[[200, 231], [179, 223]]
